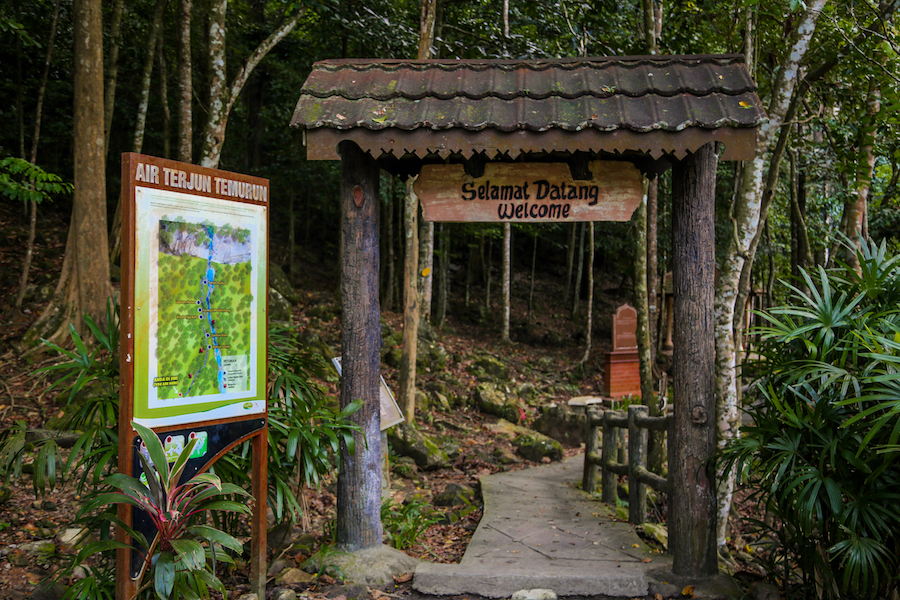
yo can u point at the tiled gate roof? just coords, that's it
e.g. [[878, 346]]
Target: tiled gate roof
[[645, 104]]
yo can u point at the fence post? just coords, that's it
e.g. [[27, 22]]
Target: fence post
[[609, 480], [637, 457], [592, 443]]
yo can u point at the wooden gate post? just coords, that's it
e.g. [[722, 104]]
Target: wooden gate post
[[359, 481], [692, 519]]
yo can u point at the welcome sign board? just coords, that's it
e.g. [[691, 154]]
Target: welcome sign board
[[529, 192]]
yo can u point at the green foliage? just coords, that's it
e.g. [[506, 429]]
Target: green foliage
[[404, 523], [306, 430], [821, 454], [180, 562], [21, 180], [89, 381]]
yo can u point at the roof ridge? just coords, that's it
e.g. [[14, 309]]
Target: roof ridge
[[712, 89], [568, 64]]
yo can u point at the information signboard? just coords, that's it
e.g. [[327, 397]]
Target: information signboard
[[194, 334], [199, 285]]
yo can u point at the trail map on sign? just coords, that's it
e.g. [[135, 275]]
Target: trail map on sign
[[204, 298], [200, 292]]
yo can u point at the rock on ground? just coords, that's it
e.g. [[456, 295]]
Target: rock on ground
[[371, 566]]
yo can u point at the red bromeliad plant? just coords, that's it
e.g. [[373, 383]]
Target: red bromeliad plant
[[182, 556]]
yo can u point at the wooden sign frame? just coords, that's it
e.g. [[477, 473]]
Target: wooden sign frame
[[194, 336]]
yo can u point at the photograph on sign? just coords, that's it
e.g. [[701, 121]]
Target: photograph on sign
[[390, 410], [200, 286]]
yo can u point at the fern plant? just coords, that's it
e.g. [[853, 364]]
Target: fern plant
[[822, 452]]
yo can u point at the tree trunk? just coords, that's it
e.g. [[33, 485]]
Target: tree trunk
[[469, 274], [115, 232], [531, 288], [164, 99], [692, 514], [426, 29], [84, 285], [856, 225], [359, 482], [222, 97], [576, 291], [387, 298], [640, 299], [747, 217], [410, 304], [112, 68], [425, 276], [38, 112], [292, 238], [20, 82], [443, 278], [488, 263], [653, 276], [642, 280], [590, 309], [185, 84], [570, 261], [507, 276]]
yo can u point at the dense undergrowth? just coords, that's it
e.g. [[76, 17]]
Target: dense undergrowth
[[822, 456]]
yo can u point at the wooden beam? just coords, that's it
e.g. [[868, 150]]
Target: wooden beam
[[692, 517], [359, 481]]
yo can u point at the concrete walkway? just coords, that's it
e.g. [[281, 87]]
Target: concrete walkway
[[539, 531]]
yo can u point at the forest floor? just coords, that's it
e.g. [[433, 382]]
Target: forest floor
[[544, 353]]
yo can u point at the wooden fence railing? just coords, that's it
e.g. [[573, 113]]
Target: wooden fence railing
[[638, 422]]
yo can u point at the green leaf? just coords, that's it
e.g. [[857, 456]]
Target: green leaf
[[216, 536], [164, 574], [191, 555]]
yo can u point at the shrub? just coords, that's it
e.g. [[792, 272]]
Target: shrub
[[822, 453]]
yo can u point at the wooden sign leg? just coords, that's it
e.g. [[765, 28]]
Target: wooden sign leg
[[259, 483]]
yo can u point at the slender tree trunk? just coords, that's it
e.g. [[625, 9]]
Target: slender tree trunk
[[576, 292], [112, 68], [389, 277], [507, 276], [38, 112], [164, 99], [531, 289], [115, 232], [469, 274], [747, 219], [425, 277], [443, 281], [185, 83], [856, 225], [359, 481], [570, 260], [642, 281], [146, 76], [588, 328], [652, 268], [488, 264], [292, 244], [20, 82], [410, 305]]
